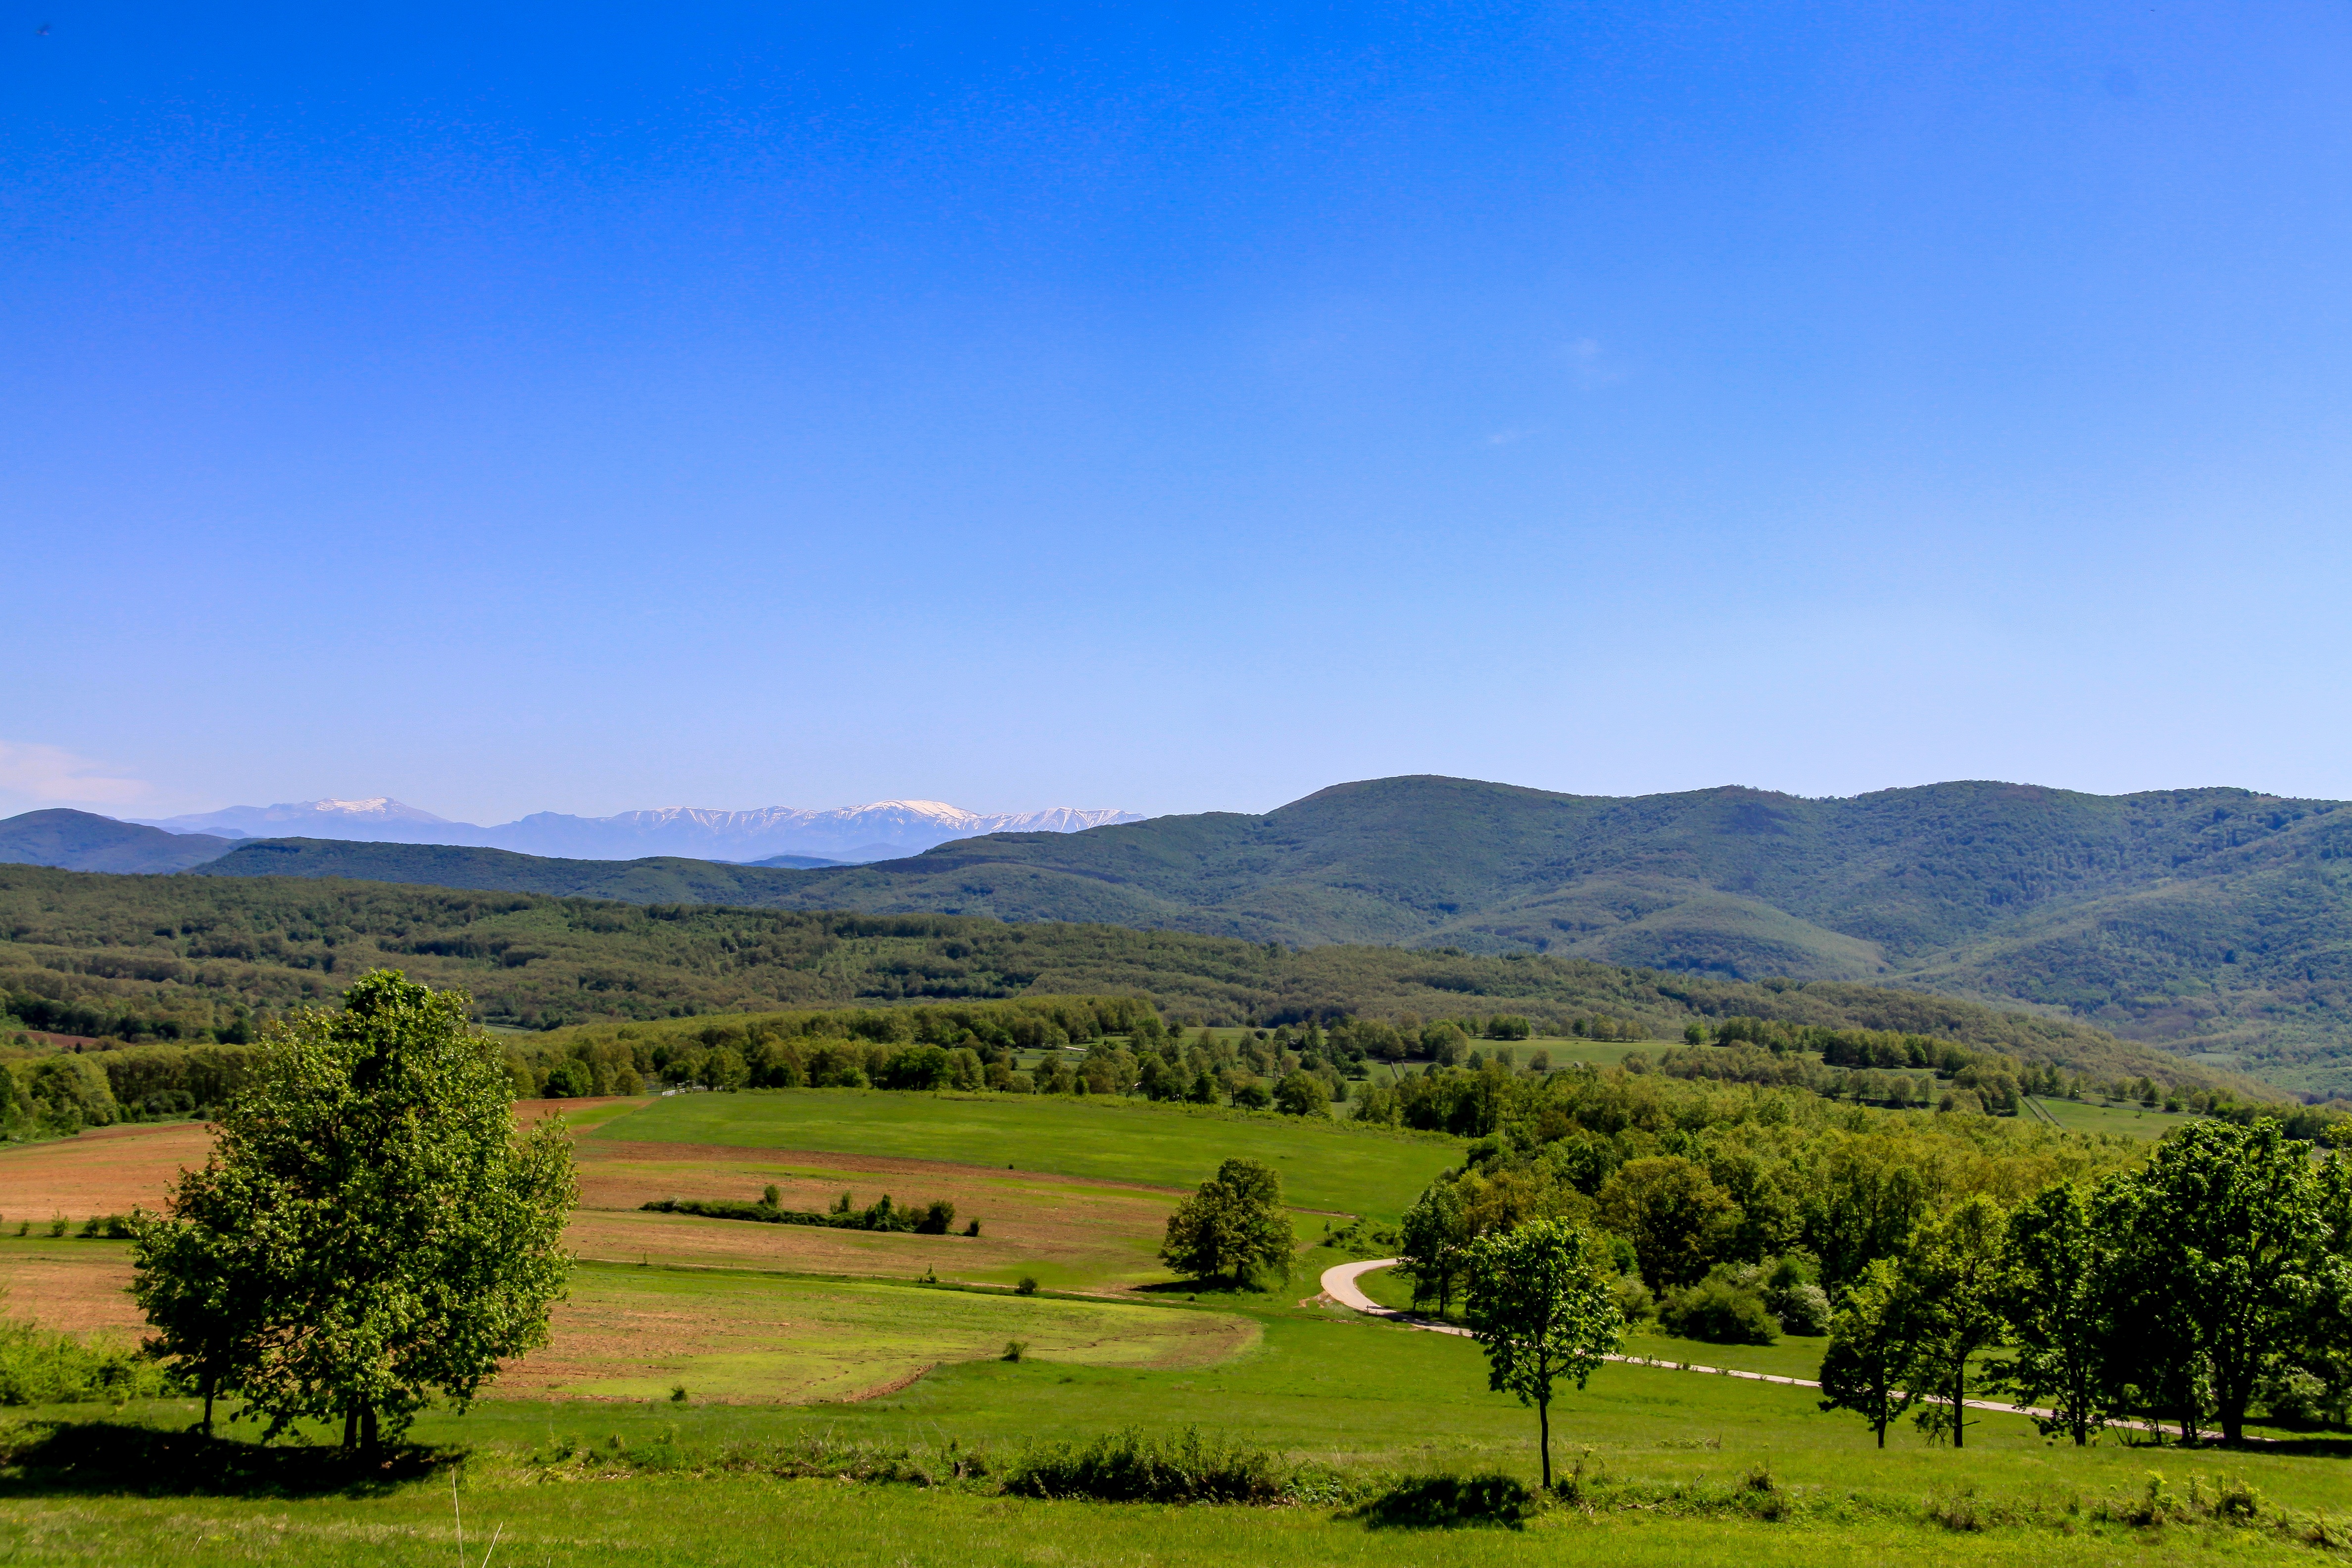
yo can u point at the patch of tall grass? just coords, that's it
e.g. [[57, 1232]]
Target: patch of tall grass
[[40, 1366], [1136, 1465]]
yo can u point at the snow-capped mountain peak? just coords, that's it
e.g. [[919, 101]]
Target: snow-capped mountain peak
[[295, 818], [876, 830]]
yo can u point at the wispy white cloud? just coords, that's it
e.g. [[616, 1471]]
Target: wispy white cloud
[[52, 775], [1591, 365]]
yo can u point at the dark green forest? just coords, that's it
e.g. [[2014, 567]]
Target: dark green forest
[[192, 958], [2216, 922]]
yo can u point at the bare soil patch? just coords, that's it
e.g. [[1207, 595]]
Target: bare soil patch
[[1071, 1234], [81, 1287], [108, 1170]]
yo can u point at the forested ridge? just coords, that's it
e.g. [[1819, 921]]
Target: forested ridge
[[193, 958], [2215, 921]]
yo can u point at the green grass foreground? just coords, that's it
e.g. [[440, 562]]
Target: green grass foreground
[[1669, 1459], [746, 1521], [1324, 1164]]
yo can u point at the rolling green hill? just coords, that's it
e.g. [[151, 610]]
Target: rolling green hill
[[2214, 922], [187, 956], [81, 841]]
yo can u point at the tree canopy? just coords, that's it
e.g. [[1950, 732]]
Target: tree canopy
[[370, 1231], [1235, 1224]]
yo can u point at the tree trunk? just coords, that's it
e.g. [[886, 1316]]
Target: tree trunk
[[1960, 1403], [1543, 1443], [368, 1444], [206, 1427], [350, 1427]]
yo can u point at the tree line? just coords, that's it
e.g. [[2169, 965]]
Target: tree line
[[148, 959], [2214, 1271], [2217, 1275]]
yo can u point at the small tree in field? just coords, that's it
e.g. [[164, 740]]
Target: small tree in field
[[369, 1230], [1871, 1346], [1233, 1223], [1539, 1304], [1303, 1094]]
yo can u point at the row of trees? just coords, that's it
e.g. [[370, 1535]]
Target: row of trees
[[2185, 1284], [2219, 1272]]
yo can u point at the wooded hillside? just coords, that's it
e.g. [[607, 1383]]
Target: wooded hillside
[[198, 957]]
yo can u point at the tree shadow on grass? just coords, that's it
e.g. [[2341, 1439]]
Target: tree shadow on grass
[[1444, 1502], [115, 1459], [1215, 1289]]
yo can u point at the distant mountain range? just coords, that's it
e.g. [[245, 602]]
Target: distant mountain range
[[771, 836], [2214, 922]]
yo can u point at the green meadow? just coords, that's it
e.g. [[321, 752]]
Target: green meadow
[[676, 1416], [1688, 1456], [1324, 1166], [2131, 1120], [749, 1337]]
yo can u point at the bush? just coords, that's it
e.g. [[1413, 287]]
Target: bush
[[1134, 1466], [1027, 1287], [1252, 1095], [1437, 1502], [2294, 1396], [1723, 1309], [1633, 1299], [1804, 1310], [1303, 1094]]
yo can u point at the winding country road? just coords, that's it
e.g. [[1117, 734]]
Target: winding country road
[[1340, 1284]]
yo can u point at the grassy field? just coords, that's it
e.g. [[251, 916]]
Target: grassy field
[[580, 1456], [1324, 1166], [2131, 1120], [640, 1333], [1324, 1386]]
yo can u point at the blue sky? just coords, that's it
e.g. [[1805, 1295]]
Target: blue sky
[[514, 409]]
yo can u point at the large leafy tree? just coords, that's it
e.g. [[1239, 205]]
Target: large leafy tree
[[1861, 1205], [2059, 1312], [1233, 1225], [1957, 1277], [370, 1231], [1540, 1305], [1872, 1338], [1673, 1215], [2225, 1234]]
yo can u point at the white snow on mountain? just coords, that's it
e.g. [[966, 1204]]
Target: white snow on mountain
[[875, 831], [306, 818]]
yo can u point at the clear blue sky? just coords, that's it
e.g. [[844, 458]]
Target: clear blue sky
[[583, 408]]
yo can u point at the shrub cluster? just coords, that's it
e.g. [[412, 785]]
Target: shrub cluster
[[1135, 1466], [934, 1219], [39, 1366]]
